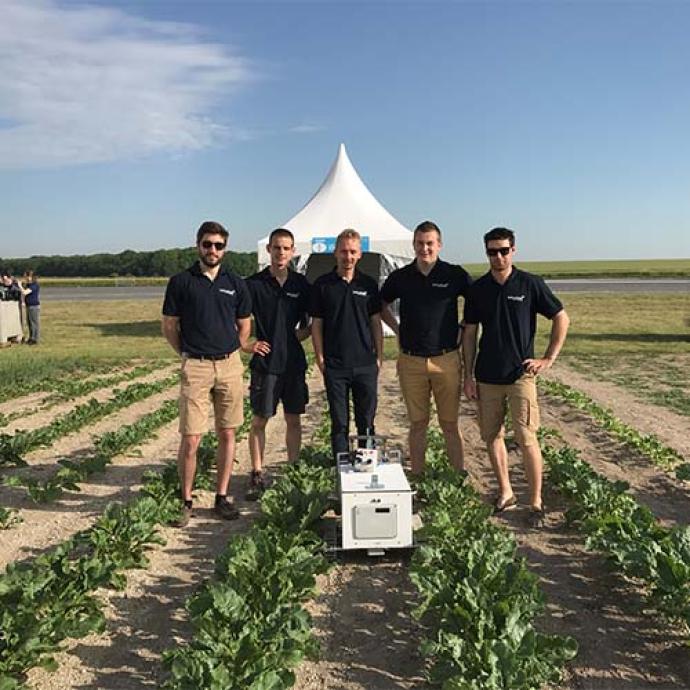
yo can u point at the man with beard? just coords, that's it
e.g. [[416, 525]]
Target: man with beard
[[206, 320]]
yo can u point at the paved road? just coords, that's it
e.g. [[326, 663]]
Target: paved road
[[570, 285]]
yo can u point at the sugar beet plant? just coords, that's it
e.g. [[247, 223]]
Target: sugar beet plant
[[627, 532], [250, 627], [478, 599], [14, 446], [647, 444], [51, 598]]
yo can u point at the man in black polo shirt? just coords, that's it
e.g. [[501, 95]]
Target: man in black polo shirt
[[280, 302], [206, 320], [506, 301], [348, 340], [429, 360]]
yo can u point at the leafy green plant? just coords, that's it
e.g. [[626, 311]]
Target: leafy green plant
[[9, 518], [478, 599]]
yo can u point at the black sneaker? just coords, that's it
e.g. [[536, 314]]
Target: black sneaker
[[536, 518], [257, 486], [186, 514], [226, 510]]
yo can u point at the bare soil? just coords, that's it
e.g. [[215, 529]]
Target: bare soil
[[362, 611]]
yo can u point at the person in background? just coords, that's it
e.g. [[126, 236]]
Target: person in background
[[506, 301], [33, 306], [206, 320], [280, 305], [428, 336], [348, 340]]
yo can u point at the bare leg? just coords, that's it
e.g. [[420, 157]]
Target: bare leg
[[417, 441], [257, 441], [455, 446], [225, 457], [293, 436], [186, 463], [531, 457], [498, 453]]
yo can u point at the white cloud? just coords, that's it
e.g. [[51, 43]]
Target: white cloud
[[307, 128], [88, 84]]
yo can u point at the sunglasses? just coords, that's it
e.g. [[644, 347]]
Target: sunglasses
[[219, 246], [503, 251]]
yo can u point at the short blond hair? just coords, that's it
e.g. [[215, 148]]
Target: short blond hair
[[348, 234]]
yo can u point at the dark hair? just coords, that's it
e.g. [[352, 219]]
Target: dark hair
[[500, 234], [281, 232], [427, 226], [210, 227]]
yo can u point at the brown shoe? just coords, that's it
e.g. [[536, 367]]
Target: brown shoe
[[226, 510], [257, 486], [186, 514]]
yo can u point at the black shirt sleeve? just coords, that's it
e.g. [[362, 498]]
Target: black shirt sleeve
[[471, 310], [464, 282], [171, 303], [374, 305], [315, 301], [546, 303], [244, 300], [390, 291]]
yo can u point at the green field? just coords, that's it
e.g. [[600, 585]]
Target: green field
[[647, 268], [88, 336]]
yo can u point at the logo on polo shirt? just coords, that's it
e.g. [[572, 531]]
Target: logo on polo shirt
[[441, 285], [294, 295], [227, 292], [516, 298], [360, 293]]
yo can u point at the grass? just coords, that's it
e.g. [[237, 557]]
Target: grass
[[95, 336]]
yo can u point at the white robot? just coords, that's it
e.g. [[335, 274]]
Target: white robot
[[375, 497]]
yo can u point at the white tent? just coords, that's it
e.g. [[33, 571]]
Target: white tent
[[343, 201]]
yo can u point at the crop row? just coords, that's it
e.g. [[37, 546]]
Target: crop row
[[107, 446], [14, 446], [627, 532], [478, 599], [67, 389], [51, 598], [647, 444]]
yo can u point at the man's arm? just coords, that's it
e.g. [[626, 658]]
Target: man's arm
[[317, 341], [389, 319], [304, 331], [244, 329], [257, 347], [170, 327], [377, 333], [469, 350], [559, 330]]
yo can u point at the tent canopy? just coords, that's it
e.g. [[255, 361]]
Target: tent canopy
[[343, 201]]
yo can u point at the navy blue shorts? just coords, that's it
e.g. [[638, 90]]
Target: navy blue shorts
[[267, 390]]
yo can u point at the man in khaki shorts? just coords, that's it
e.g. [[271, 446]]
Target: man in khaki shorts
[[206, 319], [506, 301], [429, 360]]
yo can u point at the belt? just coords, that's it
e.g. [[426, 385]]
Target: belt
[[434, 353], [213, 358]]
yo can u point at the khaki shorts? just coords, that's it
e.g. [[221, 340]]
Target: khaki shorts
[[204, 380], [421, 376], [524, 410]]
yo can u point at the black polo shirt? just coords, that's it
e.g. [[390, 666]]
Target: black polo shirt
[[277, 312], [346, 310], [428, 305], [207, 309], [508, 315]]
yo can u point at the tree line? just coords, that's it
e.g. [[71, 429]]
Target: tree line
[[161, 262]]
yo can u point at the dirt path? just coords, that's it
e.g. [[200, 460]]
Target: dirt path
[[361, 614], [668, 426]]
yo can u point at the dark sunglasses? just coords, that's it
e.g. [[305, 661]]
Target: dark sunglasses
[[219, 246], [503, 251]]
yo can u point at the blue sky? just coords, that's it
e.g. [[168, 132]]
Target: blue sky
[[125, 124]]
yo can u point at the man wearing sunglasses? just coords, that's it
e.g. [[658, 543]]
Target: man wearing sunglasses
[[206, 319], [506, 301]]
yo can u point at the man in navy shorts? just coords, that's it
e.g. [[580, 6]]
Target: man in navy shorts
[[280, 302]]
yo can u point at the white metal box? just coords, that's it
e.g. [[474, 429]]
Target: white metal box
[[376, 508]]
